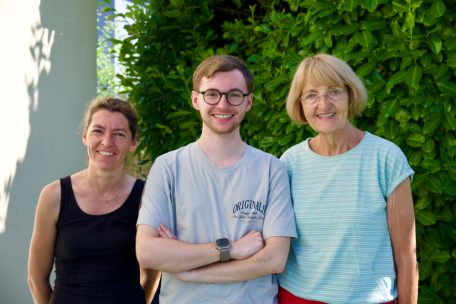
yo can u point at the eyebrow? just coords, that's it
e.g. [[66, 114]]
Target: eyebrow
[[101, 127], [315, 90]]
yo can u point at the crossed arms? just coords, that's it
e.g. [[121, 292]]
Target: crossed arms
[[252, 257]]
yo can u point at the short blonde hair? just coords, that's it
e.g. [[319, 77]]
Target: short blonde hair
[[324, 69]]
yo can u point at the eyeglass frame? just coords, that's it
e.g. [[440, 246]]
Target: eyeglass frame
[[226, 96], [319, 96]]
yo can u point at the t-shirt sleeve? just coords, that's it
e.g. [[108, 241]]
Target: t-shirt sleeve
[[156, 205], [279, 216], [397, 169]]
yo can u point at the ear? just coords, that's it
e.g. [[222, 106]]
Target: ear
[[84, 137], [134, 144], [195, 101], [249, 102]]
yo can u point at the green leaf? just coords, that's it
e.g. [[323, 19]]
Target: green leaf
[[434, 184], [366, 68], [410, 21], [180, 113], [366, 38], [435, 43], [415, 158], [177, 3], [450, 44], [425, 218], [172, 13], [402, 115], [285, 140], [309, 39], [451, 59], [438, 9], [448, 88], [406, 62], [345, 30], [415, 140], [440, 256], [431, 165], [414, 75], [374, 23], [390, 107], [450, 187], [395, 79], [371, 5], [398, 6], [350, 5], [446, 215], [450, 121], [425, 269], [422, 203], [432, 123], [429, 146]]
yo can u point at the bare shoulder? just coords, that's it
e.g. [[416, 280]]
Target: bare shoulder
[[49, 200]]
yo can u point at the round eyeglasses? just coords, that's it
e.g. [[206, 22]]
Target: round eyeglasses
[[333, 94], [213, 96]]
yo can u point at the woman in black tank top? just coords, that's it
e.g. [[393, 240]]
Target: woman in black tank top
[[86, 222]]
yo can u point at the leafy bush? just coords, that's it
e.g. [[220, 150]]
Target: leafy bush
[[405, 51]]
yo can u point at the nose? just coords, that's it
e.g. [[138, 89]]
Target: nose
[[320, 98], [223, 100], [107, 139]]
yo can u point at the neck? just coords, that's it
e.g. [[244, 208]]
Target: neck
[[222, 149], [104, 182], [336, 143]]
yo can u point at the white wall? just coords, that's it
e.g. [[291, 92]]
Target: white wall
[[48, 74]]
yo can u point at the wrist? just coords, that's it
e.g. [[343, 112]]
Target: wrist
[[223, 246]]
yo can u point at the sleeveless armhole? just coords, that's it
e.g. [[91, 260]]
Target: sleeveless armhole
[[65, 192], [136, 192]]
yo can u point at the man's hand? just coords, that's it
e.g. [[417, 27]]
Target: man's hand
[[247, 246], [164, 232]]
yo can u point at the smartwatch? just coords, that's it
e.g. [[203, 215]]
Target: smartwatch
[[223, 245]]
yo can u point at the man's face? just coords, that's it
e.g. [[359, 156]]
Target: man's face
[[222, 118]]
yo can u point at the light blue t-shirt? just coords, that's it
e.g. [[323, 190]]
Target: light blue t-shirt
[[343, 250], [201, 202]]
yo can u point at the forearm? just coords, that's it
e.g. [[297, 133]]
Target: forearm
[[269, 260], [401, 221], [41, 291], [407, 280], [170, 255], [149, 282]]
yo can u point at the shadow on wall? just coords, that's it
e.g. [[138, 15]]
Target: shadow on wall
[[23, 186], [60, 81]]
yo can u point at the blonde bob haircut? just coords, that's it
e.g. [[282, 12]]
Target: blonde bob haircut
[[324, 69]]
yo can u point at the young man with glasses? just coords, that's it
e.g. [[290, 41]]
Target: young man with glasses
[[216, 216]]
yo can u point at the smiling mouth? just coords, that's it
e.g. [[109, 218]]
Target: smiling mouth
[[328, 115], [223, 116], [106, 153]]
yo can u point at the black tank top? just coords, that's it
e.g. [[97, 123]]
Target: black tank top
[[95, 259]]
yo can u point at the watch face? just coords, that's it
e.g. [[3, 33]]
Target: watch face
[[224, 242]]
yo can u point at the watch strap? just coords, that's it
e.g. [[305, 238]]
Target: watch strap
[[225, 254]]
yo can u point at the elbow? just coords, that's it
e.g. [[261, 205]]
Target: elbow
[[280, 266], [147, 256], [35, 285], [144, 258], [31, 283]]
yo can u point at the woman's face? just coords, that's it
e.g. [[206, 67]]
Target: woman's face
[[108, 139], [325, 107]]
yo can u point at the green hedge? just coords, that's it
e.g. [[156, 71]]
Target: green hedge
[[405, 51]]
